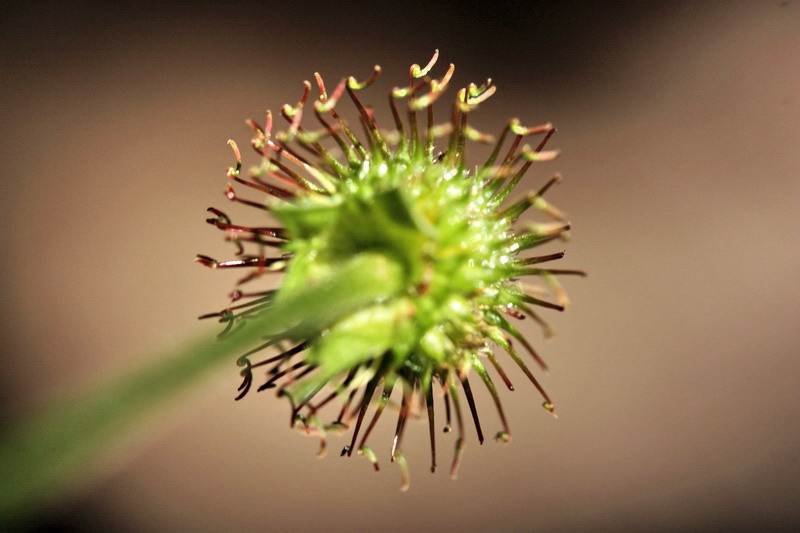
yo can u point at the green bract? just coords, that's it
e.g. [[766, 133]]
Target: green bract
[[400, 262]]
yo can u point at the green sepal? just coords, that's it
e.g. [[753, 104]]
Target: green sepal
[[306, 218], [354, 340], [384, 224], [305, 312]]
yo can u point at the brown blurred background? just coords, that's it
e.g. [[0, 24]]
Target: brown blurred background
[[675, 371]]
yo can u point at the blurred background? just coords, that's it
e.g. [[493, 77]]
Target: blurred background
[[674, 372]]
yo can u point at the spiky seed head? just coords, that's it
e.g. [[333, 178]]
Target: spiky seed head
[[401, 264]]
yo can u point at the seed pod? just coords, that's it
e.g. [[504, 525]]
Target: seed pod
[[399, 261]]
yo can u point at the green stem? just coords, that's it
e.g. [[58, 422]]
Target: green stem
[[40, 457]]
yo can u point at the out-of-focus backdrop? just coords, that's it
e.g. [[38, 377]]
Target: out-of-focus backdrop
[[675, 370]]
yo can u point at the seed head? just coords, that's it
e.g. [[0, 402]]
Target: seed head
[[401, 264]]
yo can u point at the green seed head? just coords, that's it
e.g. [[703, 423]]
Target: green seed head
[[401, 263]]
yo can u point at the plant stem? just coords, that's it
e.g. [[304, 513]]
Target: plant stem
[[40, 457]]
